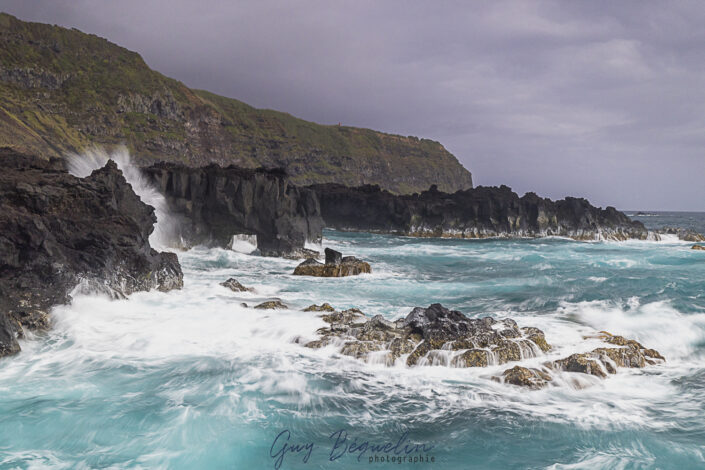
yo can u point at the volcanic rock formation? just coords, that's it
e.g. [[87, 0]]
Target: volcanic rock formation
[[60, 232], [474, 213]]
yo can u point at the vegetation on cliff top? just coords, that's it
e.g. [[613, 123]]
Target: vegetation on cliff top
[[62, 90]]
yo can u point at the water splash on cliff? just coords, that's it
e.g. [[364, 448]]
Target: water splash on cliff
[[82, 164]]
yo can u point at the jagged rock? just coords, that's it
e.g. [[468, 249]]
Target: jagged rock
[[525, 377], [325, 307], [333, 257], [335, 266], [472, 213], [235, 286], [272, 305], [60, 231], [220, 202], [698, 247]]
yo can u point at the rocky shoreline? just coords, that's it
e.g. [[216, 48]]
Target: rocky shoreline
[[217, 203], [61, 232]]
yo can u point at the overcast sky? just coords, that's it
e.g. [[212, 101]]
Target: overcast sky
[[604, 100]]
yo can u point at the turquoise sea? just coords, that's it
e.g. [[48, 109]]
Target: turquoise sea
[[195, 380]]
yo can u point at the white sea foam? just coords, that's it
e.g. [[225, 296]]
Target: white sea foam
[[182, 333]]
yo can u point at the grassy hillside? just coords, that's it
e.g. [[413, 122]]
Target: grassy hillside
[[62, 90]]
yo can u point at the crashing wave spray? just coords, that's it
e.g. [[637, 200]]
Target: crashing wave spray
[[165, 232]]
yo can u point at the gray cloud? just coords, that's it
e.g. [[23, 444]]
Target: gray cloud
[[599, 99]]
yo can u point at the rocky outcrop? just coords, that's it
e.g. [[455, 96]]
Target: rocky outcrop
[[698, 247], [60, 232], [222, 202], [32, 78], [438, 336], [474, 213], [431, 336], [335, 266]]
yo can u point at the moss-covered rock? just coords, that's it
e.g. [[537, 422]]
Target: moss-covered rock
[[349, 266], [526, 377]]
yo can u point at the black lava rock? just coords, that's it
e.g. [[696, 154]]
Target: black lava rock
[[59, 231]]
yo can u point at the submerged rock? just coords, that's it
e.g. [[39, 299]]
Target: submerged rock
[[698, 247], [335, 266], [235, 286], [272, 305], [60, 232]]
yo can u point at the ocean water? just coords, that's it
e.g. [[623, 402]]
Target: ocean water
[[194, 380]]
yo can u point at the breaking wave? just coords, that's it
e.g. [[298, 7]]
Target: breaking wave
[[166, 230]]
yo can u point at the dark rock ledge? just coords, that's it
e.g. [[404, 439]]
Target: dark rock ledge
[[438, 336], [59, 232]]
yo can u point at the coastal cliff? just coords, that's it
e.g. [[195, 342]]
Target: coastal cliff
[[481, 212], [60, 232], [62, 90], [221, 202]]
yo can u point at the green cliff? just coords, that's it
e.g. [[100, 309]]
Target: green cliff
[[62, 90]]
